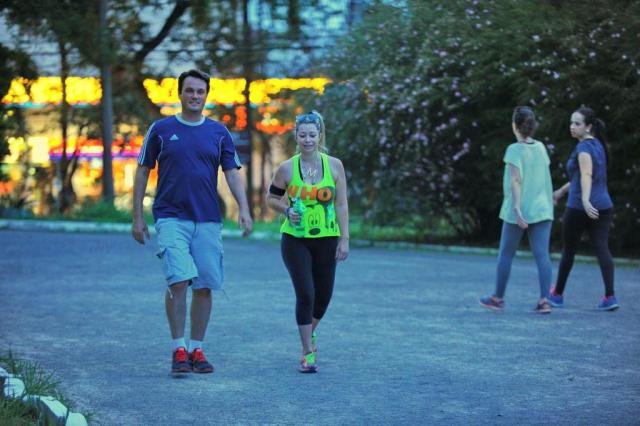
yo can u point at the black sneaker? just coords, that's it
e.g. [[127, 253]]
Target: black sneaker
[[199, 363], [180, 361], [492, 302], [542, 308]]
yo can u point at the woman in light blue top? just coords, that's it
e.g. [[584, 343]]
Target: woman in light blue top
[[527, 206]]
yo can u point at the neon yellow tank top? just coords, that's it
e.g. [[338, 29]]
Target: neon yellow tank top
[[319, 216]]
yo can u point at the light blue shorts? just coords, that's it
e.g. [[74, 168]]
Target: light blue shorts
[[191, 251]]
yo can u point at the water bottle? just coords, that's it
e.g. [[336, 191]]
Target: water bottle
[[298, 207]]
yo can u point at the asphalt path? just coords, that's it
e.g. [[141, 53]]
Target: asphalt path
[[404, 340]]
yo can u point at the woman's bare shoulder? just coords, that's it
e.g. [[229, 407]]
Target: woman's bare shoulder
[[334, 160], [285, 166], [284, 170], [336, 165]]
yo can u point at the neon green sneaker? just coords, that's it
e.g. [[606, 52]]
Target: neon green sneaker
[[314, 342], [308, 363]]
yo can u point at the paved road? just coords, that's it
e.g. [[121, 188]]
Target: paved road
[[404, 341]]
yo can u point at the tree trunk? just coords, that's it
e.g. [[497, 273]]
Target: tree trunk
[[67, 196], [108, 193], [248, 74], [265, 169]]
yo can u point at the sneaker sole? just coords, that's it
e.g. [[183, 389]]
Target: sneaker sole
[[492, 307], [308, 370], [204, 371], [180, 371], [555, 305], [609, 308]]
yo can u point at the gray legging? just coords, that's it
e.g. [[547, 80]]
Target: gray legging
[[538, 234]]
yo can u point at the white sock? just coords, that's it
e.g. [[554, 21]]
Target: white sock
[[179, 343], [194, 344]]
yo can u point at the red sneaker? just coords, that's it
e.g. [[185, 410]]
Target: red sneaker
[[199, 363], [180, 361]]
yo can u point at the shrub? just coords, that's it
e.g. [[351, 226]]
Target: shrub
[[430, 87]]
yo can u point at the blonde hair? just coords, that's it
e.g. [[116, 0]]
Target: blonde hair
[[316, 119]]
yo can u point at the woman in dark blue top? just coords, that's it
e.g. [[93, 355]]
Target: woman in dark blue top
[[589, 205]]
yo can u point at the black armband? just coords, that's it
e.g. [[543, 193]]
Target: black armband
[[276, 191]]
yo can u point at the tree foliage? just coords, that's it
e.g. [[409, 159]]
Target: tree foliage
[[64, 25], [73, 27], [13, 63], [421, 105]]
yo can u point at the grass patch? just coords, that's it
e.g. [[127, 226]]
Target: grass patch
[[273, 226], [438, 232], [89, 211], [98, 211], [360, 230], [37, 381], [16, 413]]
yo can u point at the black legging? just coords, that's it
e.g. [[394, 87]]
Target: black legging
[[312, 265], [574, 222]]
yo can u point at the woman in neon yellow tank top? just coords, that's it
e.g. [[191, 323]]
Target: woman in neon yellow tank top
[[310, 189]]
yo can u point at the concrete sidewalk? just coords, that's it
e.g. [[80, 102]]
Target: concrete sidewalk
[[404, 341]]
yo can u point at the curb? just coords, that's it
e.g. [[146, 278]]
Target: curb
[[53, 410], [101, 228], [483, 251], [123, 228]]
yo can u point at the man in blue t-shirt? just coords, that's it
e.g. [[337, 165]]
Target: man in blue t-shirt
[[188, 149]]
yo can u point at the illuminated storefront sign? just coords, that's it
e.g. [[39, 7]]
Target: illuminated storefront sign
[[87, 91], [92, 148], [48, 91], [226, 97]]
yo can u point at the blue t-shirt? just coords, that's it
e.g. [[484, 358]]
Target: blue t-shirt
[[188, 156], [599, 193]]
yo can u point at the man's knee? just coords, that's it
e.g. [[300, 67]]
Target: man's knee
[[178, 289], [201, 292]]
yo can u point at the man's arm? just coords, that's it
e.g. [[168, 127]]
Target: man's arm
[[139, 227], [234, 181]]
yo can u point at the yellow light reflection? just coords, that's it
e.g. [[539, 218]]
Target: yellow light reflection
[[80, 90], [39, 149], [87, 90], [18, 93], [16, 147]]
